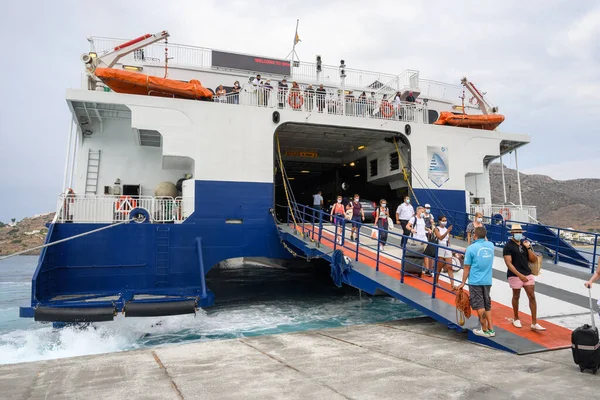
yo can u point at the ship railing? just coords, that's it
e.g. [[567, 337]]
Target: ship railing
[[110, 208], [439, 90], [306, 72], [331, 104], [507, 211]]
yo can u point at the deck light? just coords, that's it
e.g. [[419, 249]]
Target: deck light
[[132, 67], [352, 164], [361, 147], [93, 54]]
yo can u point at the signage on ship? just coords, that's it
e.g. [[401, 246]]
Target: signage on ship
[[250, 63], [305, 154], [438, 171]]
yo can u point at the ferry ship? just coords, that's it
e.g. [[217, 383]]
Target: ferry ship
[[168, 173]]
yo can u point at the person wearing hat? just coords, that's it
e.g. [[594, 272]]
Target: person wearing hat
[[517, 255]]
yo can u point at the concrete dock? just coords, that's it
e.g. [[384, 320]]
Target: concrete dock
[[413, 359]]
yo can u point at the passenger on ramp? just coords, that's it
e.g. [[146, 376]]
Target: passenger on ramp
[[517, 256], [381, 221], [358, 215], [337, 213], [403, 214], [479, 259]]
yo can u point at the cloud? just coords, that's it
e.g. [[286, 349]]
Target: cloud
[[536, 59]]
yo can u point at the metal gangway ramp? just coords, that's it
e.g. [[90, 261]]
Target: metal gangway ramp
[[310, 234]]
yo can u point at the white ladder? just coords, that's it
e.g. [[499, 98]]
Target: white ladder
[[93, 171]]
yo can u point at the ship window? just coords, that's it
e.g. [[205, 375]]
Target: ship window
[[394, 162], [373, 168]]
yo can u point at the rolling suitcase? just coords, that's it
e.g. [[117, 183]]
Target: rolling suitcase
[[414, 258], [585, 344]]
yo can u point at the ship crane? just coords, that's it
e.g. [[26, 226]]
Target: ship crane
[[485, 107], [109, 59]]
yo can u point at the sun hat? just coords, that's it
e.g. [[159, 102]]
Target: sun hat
[[516, 228]]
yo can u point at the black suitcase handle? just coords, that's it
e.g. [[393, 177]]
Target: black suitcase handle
[[592, 309]]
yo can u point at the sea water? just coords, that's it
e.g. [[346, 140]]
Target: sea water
[[251, 299]]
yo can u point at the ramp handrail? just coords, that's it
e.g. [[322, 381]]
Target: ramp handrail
[[316, 225]]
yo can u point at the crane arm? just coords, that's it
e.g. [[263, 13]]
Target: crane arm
[[484, 106]]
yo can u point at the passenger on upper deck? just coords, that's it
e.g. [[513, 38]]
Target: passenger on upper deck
[[371, 103], [350, 103], [398, 104], [309, 93], [221, 94], [361, 105], [321, 93], [236, 92], [282, 89], [266, 92], [410, 98]]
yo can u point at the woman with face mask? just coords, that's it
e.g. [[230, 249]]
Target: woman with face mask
[[477, 222], [358, 215], [337, 214], [442, 233], [381, 221]]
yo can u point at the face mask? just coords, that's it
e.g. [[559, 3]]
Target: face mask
[[518, 236], [479, 219], [443, 223], [356, 199], [339, 200], [407, 201], [422, 215], [384, 205], [427, 211]]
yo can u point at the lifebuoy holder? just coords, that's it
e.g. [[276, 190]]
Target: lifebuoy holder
[[125, 204], [296, 100], [505, 212], [387, 109]]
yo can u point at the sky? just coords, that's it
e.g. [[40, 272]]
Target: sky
[[537, 60]]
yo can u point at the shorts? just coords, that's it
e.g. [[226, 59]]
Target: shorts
[[516, 283], [356, 219], [479, 296], [338, 219], [444, 253]]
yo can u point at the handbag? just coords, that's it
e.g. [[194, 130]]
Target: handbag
[[374, 234], [536, 266], [348, 215], [390, 223]]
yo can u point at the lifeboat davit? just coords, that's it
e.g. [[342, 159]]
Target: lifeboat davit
[[488, 122], [135, 83]]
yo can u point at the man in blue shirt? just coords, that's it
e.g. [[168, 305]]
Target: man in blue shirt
[[479, 258]]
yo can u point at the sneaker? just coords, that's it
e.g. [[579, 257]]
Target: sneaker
[[428, 273], [537, 327], [491, 332], [517, 324], [479, 332]]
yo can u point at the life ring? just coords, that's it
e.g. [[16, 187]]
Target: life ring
[[505, 212], [387, 109], [296, 100], [125, 204]]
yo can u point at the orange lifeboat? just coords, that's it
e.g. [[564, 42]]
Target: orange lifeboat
[[488, 122], [136, 83]]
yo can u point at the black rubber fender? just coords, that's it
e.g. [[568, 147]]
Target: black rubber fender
[[158, 309], [59, 314]]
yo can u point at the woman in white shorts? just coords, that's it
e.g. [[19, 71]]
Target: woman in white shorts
[[442, 233]]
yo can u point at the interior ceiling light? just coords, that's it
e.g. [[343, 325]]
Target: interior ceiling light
[[361, 147], [291, 179], [352, 164], [357, 175], [305, 172]]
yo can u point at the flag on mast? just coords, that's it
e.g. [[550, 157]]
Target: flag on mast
[[297, 38]]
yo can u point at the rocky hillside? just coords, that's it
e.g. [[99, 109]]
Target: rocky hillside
[[22, 235], [573, 203]]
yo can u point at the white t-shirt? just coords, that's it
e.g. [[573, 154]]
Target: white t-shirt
[[317, 199], [419, 226], [405, 211]]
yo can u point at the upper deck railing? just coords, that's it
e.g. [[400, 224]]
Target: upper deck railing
[[305, 72], [329, 103]]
